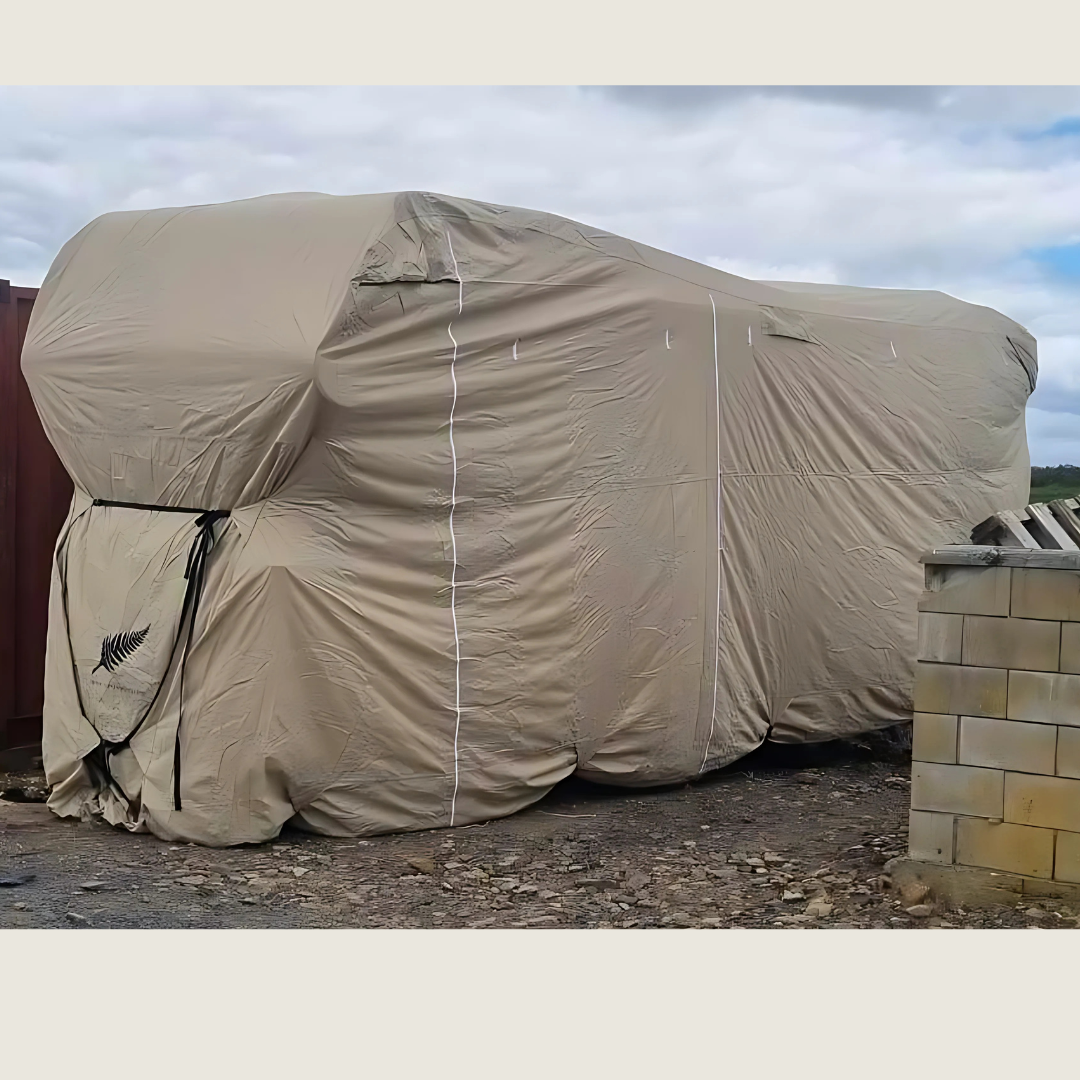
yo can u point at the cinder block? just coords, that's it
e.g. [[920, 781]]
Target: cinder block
[[1070, 647], [940, 637], [1043, 697], [933, 738], [930, 836], [1068, 752], [1030, 644], [952, 689], [1007, 744], [956, 789], [1016, 849], [967, 590], [1067, 857], [1046, 594], [1049, 802]]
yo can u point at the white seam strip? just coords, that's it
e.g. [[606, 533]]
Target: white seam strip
[[719, 542], [453, 539]]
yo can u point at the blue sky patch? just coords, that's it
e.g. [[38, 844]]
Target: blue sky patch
[[1064, 261], [1067, 125]]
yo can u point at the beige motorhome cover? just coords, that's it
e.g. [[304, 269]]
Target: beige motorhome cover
[[508, 498]]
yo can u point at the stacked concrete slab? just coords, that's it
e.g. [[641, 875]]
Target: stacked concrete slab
[[996, 746]]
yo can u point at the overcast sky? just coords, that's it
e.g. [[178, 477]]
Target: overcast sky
[[975, 191]]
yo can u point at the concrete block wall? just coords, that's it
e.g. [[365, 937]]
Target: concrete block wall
[[995, 779]]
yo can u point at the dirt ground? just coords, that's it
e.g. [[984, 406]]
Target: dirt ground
[[789, 837]]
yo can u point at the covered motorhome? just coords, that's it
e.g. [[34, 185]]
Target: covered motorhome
[[392, 511]]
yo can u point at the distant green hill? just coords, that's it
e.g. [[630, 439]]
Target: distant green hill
[[1054, 482]]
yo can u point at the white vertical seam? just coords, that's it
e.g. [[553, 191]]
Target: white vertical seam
[[719, 541], [453, 538]]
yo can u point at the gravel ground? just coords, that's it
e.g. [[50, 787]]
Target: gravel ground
[[785, 838]]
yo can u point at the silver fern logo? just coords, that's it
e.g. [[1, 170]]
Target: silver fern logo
[[118, 647]]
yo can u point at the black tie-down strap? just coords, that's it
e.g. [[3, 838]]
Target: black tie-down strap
[[195, 575]]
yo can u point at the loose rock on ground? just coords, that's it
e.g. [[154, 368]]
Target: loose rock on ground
[[784, 839]]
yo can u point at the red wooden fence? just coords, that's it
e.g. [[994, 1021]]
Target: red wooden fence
[[35, 492]]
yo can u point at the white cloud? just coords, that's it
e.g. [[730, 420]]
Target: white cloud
[[821, 273], [1054, 437], [924, 187]]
